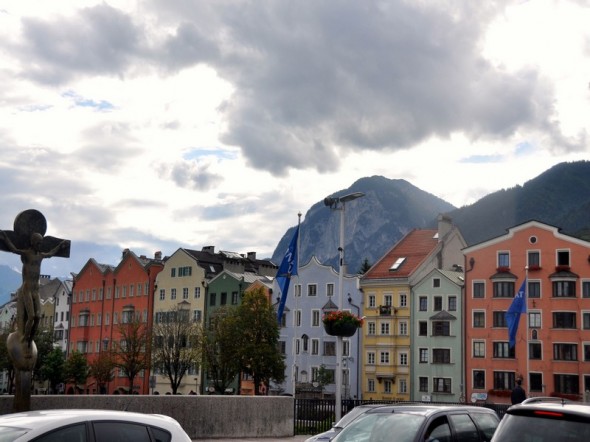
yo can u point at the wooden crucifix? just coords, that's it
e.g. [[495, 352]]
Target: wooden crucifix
[[28, 240]]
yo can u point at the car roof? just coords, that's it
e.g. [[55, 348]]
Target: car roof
[[40, 419], [550, 407], [428, 410]]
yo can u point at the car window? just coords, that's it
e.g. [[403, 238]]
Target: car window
[[438, 431], [403, 426], [535, 429], [161, 435], [486, 422], [72, 433], [120, 432], [465, 429]]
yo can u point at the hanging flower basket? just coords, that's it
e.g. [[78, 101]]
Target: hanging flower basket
[[341, 323]]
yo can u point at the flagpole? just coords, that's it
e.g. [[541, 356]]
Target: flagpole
[[295, 369], [528, 331]]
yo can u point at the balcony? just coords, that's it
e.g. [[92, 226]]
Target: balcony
[[385, 310]]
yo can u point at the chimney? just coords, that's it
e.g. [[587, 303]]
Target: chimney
[[252, 255], [125, 252], [209, 249], [158, 255], [445, 225]]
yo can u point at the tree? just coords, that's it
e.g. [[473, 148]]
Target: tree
[[76, 368], [175, 347], [220, 348], [52, 369], [101, 369], [259, 352], [365, 266], [44, 341], [5, 361], [131, 353]]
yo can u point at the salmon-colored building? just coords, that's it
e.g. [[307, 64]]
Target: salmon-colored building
[[552, 346], [103, 298]]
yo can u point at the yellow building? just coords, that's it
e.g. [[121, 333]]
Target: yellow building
[[386, 345]]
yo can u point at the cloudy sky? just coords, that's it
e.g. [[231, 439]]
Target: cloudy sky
[[157, 124]]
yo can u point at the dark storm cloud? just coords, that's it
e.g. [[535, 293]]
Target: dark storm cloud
[[100, 40]]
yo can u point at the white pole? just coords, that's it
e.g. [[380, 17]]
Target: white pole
[[339, 342], [528, 331]]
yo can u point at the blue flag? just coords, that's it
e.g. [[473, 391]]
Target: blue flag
[[517, 307], [287, 269]]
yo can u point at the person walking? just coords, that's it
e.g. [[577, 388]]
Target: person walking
[[518, 394]]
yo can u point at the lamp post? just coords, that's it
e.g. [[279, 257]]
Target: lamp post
[[339, 203]]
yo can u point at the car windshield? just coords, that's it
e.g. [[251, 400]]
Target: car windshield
[[350, 416], [8, 434], [537, 429], [379, 427]]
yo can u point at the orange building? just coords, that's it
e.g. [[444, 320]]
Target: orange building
[[552, 347], [103, 298]]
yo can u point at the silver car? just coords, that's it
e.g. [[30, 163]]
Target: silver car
[[327, 436], [89, 426]]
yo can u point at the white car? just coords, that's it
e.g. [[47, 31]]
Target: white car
[[79, 425]]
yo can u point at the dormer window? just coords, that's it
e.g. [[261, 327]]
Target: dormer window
[[397, 264]]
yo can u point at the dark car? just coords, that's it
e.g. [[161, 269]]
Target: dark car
[[545, 419], [430, 423]]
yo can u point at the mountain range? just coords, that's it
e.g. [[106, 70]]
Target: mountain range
[[390, 208]]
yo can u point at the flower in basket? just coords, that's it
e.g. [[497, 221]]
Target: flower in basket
[[342, 317]]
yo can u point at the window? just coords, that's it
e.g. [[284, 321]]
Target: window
[[371, 328], [197, 315], [315, 318], [563, 258], [315, 346], [387, 299], [441, 356], [534, 289], [197, 294], [438, 303], [535, 351], [83, 319], [162, 294], [585, 289], [139, 287], [502, 350], [479, 379], [443, 385], [185, 271], [173, 294], [173, 272], [422, 328], [212, 299], [586, 352], [500, 319], [223, 298], [371, 301], [423, 358], [385, 328], [403, 300], [564, 289], [387, 386], [534, 319], [330, 289], [536, 381], [185, 293], [329, 348], [504, 289], [479, 349], [441, 328], [565, 352], [72, 432], [534, 259], [423, 384], [371, 385], [479, 319], [403, 386], [234, 298], [503, 259], [564, 320], [403, 359], [384, 357], [566, 383], [478, 290], [403, 328], [297, 290], [503, 380], [452, 303], [312, 290], [297, 318], [423, 301], [371, 358], [435, 282]]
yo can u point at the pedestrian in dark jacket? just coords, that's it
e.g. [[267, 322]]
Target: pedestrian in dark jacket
[[518, 395]]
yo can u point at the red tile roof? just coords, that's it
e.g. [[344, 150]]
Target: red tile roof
[[415, 247]]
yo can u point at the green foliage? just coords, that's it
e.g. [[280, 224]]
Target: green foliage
[[45, 345], [53, 368], [365, 266], [220, 348], [101, 369], [131, 353], [259, 354], [76, 368]]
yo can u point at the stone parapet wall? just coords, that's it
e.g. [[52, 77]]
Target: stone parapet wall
[[202, 417]]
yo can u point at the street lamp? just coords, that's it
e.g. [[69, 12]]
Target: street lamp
[[339, 203]]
